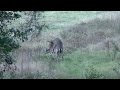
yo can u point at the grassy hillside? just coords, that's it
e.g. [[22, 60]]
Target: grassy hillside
[[85, 35]]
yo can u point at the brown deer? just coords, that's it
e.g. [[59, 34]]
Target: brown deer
[[55, 46]]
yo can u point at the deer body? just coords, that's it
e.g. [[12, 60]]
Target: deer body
[[55, 46]]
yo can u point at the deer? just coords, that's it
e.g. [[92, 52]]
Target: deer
[[55, 47]]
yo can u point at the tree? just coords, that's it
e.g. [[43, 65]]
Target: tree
[[9, 38], [35, 23], [7, 42]]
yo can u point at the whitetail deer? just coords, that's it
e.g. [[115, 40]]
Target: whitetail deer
[[55, 46]]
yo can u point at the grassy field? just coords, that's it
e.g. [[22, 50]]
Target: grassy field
[[77, 65], [94, 65], [84, 34]]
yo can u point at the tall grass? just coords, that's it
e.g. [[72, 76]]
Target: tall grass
[[94, 65], [77, 65], [85, 56]]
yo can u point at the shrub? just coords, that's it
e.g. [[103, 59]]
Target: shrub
[[92, 73]]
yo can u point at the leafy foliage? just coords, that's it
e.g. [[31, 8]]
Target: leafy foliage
[[33, 27], [7, 42], [10, 37], [92, 73]]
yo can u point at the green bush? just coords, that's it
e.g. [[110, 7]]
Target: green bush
[[92, 73]]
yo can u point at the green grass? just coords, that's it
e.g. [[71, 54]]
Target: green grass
[[82, 65], [78, 64], [64, 19]]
